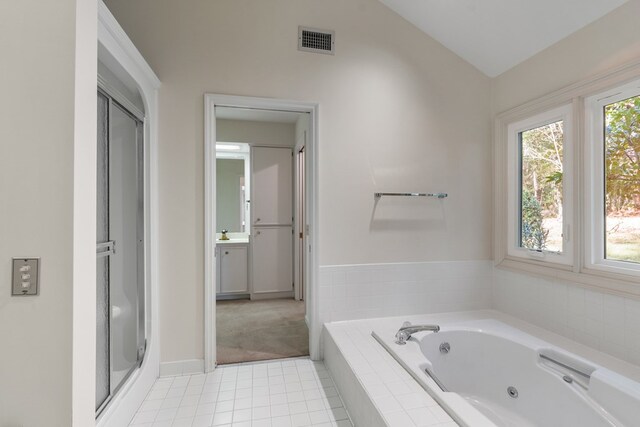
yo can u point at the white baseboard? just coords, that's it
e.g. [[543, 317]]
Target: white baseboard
[[182, 367], [271, 295]]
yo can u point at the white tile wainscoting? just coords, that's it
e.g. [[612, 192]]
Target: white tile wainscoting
[[349, 292], [605, 322]]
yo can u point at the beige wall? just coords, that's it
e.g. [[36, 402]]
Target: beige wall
[[398, 112], [258, 133], [47, 118], [610, 42], [606, 43]]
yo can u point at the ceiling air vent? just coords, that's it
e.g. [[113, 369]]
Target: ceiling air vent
[[314, 40]]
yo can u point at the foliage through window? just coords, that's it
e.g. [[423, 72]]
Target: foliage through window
[[541, 177], [622, 180]]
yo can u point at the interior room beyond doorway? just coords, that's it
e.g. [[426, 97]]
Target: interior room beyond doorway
[[260, 227]]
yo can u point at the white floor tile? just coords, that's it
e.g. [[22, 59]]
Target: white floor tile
[[186, 412], [171, 402], [291, 393], [300, 420], [260, 413], [280, 410], [284, 421], [145, 417], [278, 399], [241, 415], [166, 414], [202, 421], [222, 418], [182, 422]]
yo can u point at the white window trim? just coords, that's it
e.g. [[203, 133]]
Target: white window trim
[[565, 114], [615, 283], [594, 180]]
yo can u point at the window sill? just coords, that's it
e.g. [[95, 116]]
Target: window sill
[[544, 259], [611, 283]]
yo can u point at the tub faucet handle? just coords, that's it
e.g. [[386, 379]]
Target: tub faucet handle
[[402, 337], [405, 332]]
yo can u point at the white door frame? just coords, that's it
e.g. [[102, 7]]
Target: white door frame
[[115, 46], [210, 102], [299, 224]]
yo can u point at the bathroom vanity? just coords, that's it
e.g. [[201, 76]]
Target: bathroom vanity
[[232, 268], [233, 254]]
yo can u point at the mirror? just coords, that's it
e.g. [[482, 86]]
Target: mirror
[[232, 187]]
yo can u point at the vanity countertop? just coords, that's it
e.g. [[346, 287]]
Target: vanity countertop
[[239, 240]]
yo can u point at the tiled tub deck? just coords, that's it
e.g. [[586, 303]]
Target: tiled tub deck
[[375, 388]]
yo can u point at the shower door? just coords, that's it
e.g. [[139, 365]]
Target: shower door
[[120, 252]]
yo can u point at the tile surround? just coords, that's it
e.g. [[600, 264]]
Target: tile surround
[[605, 322], [351, 292], [290, 393]]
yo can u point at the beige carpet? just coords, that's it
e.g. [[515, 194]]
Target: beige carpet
[[260, 330]]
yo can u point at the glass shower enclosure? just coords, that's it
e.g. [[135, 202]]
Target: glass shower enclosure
[[120, 327]]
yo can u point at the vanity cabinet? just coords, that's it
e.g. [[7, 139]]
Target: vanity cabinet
[[232, 269]]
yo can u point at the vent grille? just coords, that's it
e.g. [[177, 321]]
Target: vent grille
[[314, 40]]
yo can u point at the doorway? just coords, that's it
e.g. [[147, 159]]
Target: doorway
[[260, 312], [272, 315]]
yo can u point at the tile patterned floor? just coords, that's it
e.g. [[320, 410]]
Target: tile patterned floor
[[290, 393]]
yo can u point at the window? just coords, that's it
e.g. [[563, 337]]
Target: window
[[539, 180], [613, 173], [568, 203]]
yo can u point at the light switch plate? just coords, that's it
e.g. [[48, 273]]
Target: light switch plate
[[26, 276]]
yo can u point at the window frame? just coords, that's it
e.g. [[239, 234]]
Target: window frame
[[594, 172], [562, 113], [612, 281]]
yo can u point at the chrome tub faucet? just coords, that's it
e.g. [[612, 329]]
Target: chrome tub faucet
[[407, 329]]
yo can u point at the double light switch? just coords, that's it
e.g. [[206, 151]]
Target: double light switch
[[26, 272]]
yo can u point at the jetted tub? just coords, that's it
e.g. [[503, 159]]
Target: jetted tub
[[487, 373]]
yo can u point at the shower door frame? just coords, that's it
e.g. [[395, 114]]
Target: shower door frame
[[116, 100]]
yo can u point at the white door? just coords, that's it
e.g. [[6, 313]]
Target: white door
[[272, 186], [272, 260]]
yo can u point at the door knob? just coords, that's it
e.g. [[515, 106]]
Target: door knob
[[257, 219]]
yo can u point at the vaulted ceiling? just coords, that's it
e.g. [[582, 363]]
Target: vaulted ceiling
[[495, 35]]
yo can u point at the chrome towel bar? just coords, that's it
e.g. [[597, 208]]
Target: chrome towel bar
[[437, 195]]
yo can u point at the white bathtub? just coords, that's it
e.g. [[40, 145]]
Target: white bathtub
[[489, 362]]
